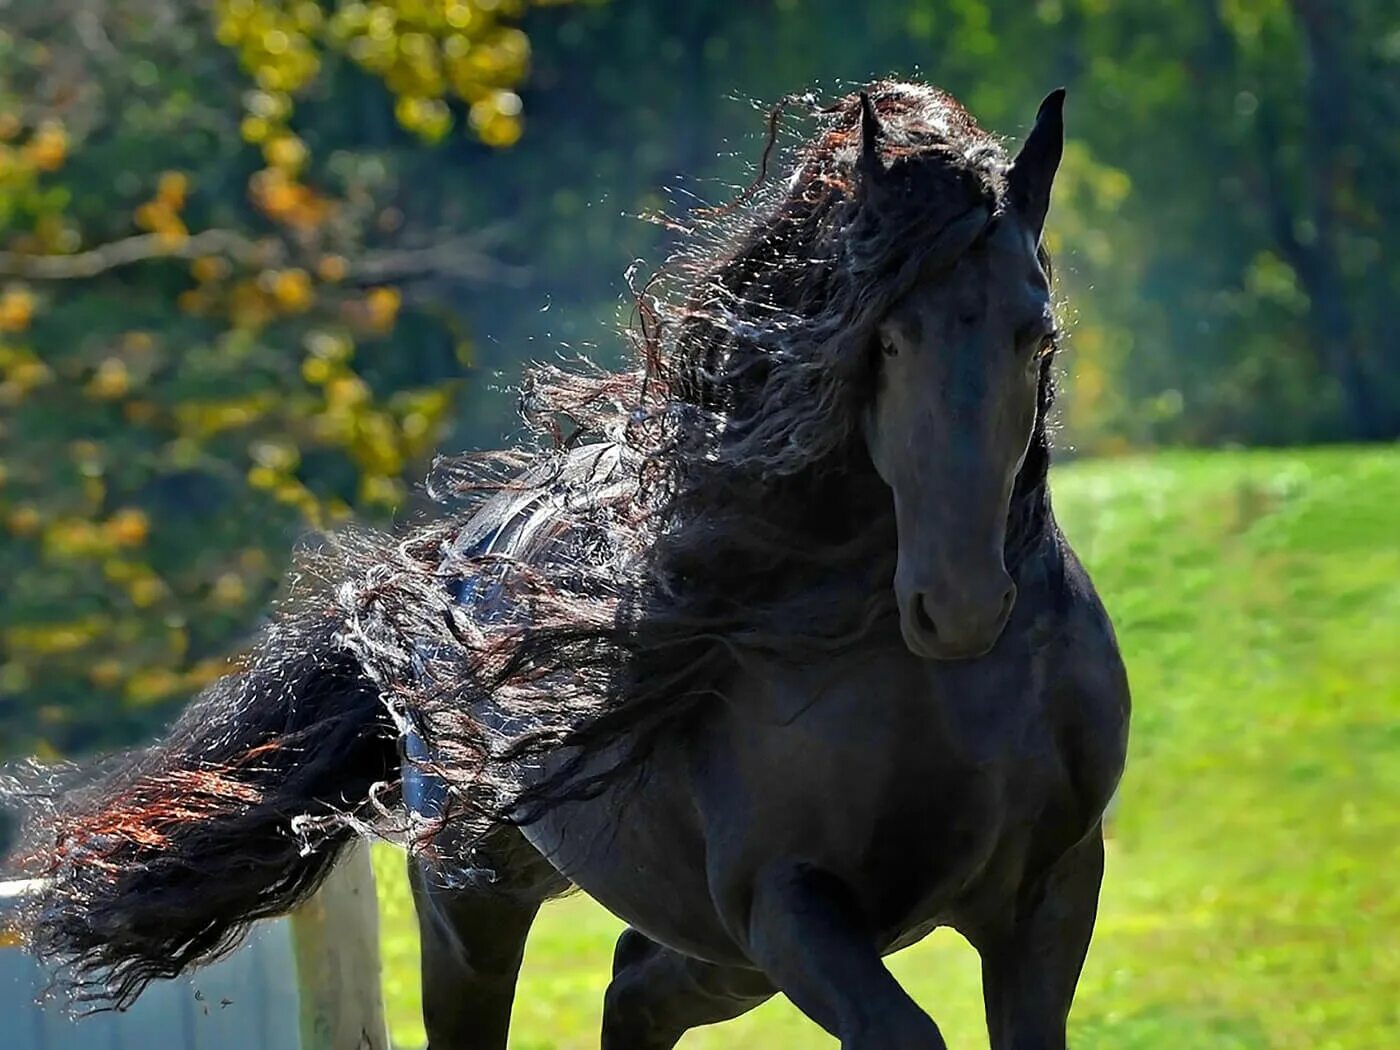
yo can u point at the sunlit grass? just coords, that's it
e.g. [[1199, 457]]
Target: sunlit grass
[[1251, 897]]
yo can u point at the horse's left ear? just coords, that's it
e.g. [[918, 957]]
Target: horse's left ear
[[869, 166], [1033, 171]]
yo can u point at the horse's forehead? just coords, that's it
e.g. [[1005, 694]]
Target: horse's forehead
[[1009, 245], [1003, 266], [999, 278]]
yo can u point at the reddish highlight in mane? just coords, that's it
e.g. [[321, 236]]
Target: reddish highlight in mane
[[148, 816]]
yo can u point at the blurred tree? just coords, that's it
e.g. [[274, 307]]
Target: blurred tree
[[1332, 204], [1219, 224], [219, 321], [1256, 137]]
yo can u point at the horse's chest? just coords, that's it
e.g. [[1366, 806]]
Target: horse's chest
[[900, 781], [911, 783]]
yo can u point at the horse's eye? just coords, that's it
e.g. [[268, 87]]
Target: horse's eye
[[1039, 343], [887, 346]]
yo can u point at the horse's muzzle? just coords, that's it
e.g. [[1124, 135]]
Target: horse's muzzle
[[956, 624]]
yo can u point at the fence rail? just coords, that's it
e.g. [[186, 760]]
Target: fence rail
[[307, 982], [12, 894]]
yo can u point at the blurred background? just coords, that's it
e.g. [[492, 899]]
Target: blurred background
[[260, 258]]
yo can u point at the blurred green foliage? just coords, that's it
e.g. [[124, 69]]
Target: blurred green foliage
[[219, 326], [1249, 901], [1220, 221]]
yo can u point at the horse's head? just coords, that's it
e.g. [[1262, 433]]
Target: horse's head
[[948, 429]]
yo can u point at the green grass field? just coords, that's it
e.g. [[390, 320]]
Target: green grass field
[[1253, 896]]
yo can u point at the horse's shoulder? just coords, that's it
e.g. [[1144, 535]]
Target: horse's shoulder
[[1086, 644], [779, 692], [1087, 684]]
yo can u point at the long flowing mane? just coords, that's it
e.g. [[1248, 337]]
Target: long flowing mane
[[712, 499]]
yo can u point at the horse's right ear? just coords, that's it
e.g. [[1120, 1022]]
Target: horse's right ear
[[869, 165]]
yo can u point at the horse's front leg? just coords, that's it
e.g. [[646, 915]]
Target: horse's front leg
[[657, 995], [806, 932], [1031, 968], [473, 939]]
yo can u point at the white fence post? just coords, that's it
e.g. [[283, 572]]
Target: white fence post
[[335, 938]]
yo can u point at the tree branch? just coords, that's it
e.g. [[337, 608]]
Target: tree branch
[[125, 252], [459, 259]]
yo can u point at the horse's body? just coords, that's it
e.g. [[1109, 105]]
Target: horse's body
[[911, 793], [782, 657]]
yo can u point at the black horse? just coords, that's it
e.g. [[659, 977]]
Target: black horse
[[778, 653]]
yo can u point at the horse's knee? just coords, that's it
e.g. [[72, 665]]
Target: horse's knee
[[632, 949], [629, 1021]]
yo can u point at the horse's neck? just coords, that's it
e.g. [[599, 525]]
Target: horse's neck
[[1029, 519]]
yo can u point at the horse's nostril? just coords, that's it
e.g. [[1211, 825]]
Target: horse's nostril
[[923, 620], [1007, 601]]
